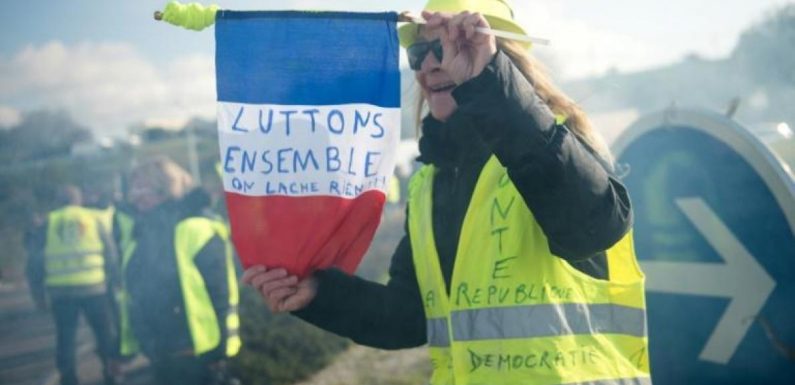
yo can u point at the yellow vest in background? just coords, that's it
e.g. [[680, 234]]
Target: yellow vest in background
[[125, 224], [516, 313], [393, 190], [190, 236], [105, 217], [73, 249]]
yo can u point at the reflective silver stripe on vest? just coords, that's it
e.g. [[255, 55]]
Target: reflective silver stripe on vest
[[617, 381], [62, 271], [438, 336], [59, 265], [547, 320], [65, 256]]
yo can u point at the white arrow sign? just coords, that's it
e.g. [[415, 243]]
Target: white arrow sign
[[740, 278]]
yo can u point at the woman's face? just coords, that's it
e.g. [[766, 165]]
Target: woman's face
[[436, 84], [144, 194]]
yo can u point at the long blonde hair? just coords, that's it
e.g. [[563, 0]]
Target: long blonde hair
[[558, 102], [171, 180]]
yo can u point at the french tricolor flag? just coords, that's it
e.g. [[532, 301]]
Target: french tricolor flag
[[308, 122]]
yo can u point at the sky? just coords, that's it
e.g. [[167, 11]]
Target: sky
[[110, 65]]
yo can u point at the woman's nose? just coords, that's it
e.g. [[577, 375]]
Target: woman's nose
[[430, 63]]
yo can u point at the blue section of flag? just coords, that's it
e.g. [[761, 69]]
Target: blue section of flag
[[307, 58]]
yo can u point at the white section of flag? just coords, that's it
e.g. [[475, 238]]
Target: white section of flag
[[294, 150]]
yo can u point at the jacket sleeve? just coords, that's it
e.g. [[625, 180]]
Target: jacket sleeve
[[581, 208], [34, 270], [111, 254], [382, 316], [211, 262], [116, 235]]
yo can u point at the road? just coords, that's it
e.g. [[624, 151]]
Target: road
[[27, 345]]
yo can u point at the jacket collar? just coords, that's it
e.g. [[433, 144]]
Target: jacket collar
[[194, 203], [453, 143]]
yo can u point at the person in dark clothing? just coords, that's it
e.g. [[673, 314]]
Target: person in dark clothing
[[517, 200], [177, 278], [72, 264]]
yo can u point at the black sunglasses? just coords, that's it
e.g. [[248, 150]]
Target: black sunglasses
[[417, 52]]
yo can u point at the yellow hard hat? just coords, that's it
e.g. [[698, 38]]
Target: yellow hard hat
[[497, 12]]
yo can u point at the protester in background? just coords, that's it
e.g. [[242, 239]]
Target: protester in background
[[74, 265], [180, 287], [99, 201], [123, 222], [32, 240], [517, 267]]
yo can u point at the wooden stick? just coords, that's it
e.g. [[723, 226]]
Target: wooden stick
[[407, 17]]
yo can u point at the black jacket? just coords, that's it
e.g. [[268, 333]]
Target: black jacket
[[157, 309], [581, 208]]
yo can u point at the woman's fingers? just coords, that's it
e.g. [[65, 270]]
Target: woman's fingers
[[295, 302], [276, 297], [454, 26], [480, 20], [268, 276], [449, 24], [274, 284], [281, 292], [266, 281], [460, 26], [307, 289], [252, 272], [469, 30], [434, 19], [449, 47], [469, 24], [438, 22]]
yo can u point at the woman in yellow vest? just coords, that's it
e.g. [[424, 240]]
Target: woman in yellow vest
[[518, 265], [180, 292]]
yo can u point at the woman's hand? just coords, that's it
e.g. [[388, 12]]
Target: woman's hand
[[281, 292], [466, 52]]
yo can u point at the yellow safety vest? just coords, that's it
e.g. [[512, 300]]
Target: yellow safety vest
[[190, 236], [125, 224], [516, 313], [393, 190], [73, 249], [127, 243], [105, 217]]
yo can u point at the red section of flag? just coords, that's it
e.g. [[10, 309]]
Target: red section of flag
[[303, 234]]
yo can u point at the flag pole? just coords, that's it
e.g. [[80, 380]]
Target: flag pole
[[408, 17]]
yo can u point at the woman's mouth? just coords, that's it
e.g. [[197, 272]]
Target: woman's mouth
[[441, 87]]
